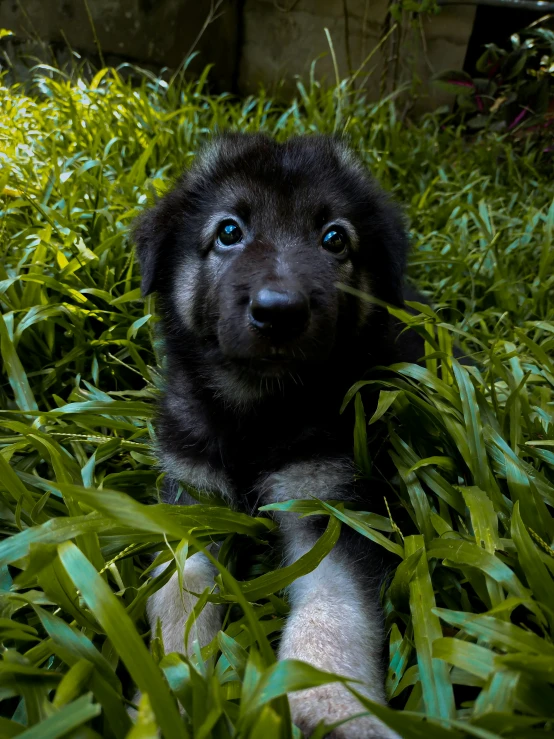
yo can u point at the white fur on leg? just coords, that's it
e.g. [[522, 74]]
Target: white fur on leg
[[332, 627], [173, 606]]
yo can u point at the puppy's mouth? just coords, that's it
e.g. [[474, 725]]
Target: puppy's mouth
[[277, 355], [273, 359], [270, 365]]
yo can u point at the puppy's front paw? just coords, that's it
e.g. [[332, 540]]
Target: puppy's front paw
[[332, 703]]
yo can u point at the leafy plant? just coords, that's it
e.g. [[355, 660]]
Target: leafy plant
[[411, 6], [516, 91], [470, 601]]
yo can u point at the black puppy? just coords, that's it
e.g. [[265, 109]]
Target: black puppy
[[261, 345]]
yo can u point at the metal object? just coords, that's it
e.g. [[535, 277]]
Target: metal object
[[539, 5]]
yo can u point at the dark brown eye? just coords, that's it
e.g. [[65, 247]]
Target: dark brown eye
[[335, 241], [228, 233]]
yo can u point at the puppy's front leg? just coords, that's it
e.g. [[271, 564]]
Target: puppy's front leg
[[334, 625], [173, 605]]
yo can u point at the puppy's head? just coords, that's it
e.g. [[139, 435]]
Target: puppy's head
[[247, 250]]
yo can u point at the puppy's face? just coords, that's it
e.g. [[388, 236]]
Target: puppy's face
[[248, 250]]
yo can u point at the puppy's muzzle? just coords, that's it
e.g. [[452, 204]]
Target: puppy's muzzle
[[279, 314]]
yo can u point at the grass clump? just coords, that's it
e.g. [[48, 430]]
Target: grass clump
[[470, 605]]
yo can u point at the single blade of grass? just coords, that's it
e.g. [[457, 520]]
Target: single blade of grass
[[435, 680], [17, 376]]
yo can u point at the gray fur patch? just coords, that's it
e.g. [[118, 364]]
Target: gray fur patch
[[348, 159], [197, 474], [184, 289], [324, 479], [172, 606]]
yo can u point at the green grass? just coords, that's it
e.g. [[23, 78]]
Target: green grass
[[470, 608]]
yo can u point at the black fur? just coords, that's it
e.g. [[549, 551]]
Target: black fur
[[226, 408], [282, 188]]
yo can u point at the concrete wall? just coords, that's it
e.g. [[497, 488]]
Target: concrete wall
[[252, 42], [281, 43], [153, 32]]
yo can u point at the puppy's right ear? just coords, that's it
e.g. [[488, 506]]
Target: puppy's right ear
[[149, 235], [152, 233]]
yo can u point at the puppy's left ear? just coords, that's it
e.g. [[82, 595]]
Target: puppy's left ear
[[152, 233]]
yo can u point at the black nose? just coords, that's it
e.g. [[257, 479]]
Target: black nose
[[282, 313]]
